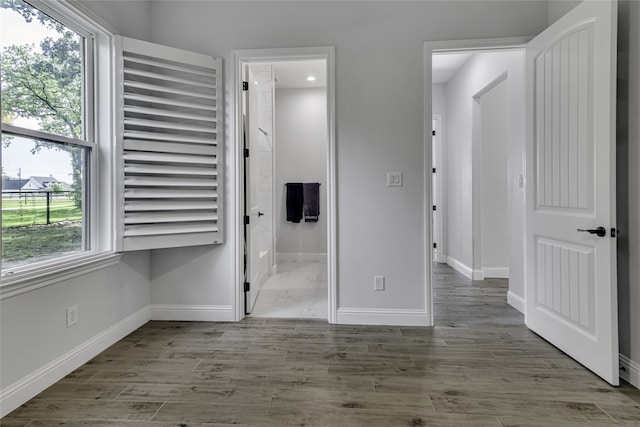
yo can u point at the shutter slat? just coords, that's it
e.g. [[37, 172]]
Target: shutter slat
[[167, 101], [164, 217], [167, 113], [168, 194], [166, 78], [152, 169], [144, 156], [165, 89], [151, 182], [135, 134], [185, 205], [159, 124], [169, 147], [173, 66], [171, 119], [171, 228]]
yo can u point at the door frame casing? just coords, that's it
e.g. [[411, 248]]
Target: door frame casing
[[429, 48], [252, 56]]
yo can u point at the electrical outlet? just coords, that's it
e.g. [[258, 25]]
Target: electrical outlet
[[72, 316], [378, 283]]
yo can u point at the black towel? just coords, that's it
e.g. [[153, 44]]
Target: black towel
[[294, 201], [311, 205]]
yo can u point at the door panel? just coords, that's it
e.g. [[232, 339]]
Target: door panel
[[571, 297], [252, 208]]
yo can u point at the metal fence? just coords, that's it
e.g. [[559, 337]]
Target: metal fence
[[14, 200]]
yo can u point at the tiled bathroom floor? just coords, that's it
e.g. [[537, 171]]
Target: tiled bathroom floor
[[299, 290]]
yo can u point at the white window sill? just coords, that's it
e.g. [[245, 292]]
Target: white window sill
[[19, 282]]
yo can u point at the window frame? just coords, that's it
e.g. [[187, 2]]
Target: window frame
[[99, 127]]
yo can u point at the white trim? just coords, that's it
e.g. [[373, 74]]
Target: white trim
[[199, 313], [631, 371], [515, 301], [301, 257], [464, 269], [246, 56], [22, 390], [40, 276], [382, 316], [495, 272]]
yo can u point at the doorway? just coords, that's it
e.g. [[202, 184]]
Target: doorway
[[569, 253], [286, 265], [477, 156]]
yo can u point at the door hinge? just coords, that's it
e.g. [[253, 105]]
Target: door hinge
[[435, 245], [433, 170], [246, 220], [245, 86], [434, 207], [246, 152], [433, 132], [247, 286], [614, 232]]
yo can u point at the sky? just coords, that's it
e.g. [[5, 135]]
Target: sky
[[14, 30]]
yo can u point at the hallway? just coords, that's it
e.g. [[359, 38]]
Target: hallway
[[478, 367]]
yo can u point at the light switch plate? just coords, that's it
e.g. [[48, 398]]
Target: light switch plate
[[394, 179]]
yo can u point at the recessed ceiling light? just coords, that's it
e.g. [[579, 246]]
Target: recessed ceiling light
[[311, 78], [255, 82]]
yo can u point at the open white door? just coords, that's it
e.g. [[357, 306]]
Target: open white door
[[253, 276], [571, 297]]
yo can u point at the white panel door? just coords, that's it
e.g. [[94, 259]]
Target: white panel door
[[571, 297], [252, 209]]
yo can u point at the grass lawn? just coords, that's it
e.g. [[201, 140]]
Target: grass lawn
[[27, 238], [39, 242], [34, 211]]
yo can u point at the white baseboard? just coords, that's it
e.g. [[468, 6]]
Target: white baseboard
[[390, 317], [203, 313], [495, 272], [300, 257], [631, 371], [465, 270], [515, 301], [21, 391]]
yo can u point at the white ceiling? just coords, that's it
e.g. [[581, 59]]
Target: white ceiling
[[445, 65], [293, 74]]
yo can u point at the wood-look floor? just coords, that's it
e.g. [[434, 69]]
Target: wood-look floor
[[479, 367]]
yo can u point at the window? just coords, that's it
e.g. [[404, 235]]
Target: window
[[49, 143], [109, 144]]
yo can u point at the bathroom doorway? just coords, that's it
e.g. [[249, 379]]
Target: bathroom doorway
[[286, 147]]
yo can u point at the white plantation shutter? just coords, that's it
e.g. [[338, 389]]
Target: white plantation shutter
[[170, 141]]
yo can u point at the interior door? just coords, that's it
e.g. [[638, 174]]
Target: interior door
[[571, 297], [252, 208]]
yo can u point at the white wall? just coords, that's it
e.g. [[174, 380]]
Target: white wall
[[301, 156], [494, 211], [129, 18], [475, 75], [379, 120], [439, 99], [33, 332]]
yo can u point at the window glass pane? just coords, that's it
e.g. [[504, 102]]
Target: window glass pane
[[43, 198], [42, 71]]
